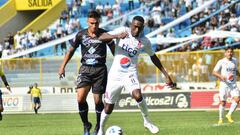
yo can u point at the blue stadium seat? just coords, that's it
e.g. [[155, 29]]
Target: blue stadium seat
[[2, 2]]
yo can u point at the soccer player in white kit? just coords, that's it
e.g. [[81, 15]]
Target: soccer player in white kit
[[123, 73], [226, 70]]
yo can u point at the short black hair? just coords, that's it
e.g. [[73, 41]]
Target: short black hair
[[229, 48], [93, 14], [139, 18]]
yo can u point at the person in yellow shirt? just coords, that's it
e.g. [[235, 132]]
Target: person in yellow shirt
[[7, 86], [36, 96]]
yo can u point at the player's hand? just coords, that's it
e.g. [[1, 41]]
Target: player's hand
[[172, 85], [122, 35], [223, 78], [8, 87], [61, 73]]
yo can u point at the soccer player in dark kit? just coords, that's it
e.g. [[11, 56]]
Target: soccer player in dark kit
[[93, 71]]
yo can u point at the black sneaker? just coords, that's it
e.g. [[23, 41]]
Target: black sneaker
[[87, 129], [95, 132], [0, 116]]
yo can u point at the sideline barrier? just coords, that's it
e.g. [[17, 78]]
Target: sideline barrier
[[159, 101]]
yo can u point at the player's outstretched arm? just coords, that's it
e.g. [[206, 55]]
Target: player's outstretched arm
[[67, 57], [158, 64], [108, 37]]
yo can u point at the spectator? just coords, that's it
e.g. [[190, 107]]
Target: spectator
[[156, 14], [91, 2], [40, 36], [17, 38], [116, 9], [78, 4], [6, 43], [33, 39], [47, 35], [130, 5], [75, 24], [207, 43], [68, 28], [10, 39], [99, 8], [188, 4], [107, 8], [6, 52], [109, 14], [213, 22], [63, 45], [64, 16], [58, 35]]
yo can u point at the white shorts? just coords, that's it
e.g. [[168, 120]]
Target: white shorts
[[228, 89], [129, 82]]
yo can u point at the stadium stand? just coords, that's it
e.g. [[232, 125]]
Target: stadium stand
[[157, 16], [2, 2]]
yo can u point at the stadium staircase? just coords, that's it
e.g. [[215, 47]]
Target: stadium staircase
[[15, 18]]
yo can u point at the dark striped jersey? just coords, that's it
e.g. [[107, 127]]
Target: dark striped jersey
[[93, 50]]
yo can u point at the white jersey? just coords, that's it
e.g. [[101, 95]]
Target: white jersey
[[127, 51], [123, 73], [228, 69]]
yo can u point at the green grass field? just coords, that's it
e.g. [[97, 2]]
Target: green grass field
[[170, 123]]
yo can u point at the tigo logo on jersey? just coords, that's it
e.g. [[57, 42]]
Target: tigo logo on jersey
[[131, 51], [125, 62]]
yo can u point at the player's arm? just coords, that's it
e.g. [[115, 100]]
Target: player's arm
[[66, 59], [118, 33], [111, 46], [69, 55], [219, 76], [4, 79], [108, 37], [158, 64], [216, 70], [148, 49]]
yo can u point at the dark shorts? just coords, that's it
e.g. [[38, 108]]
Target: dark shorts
[[1, 104], [0, 94], [36, 100], [94, 76]]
